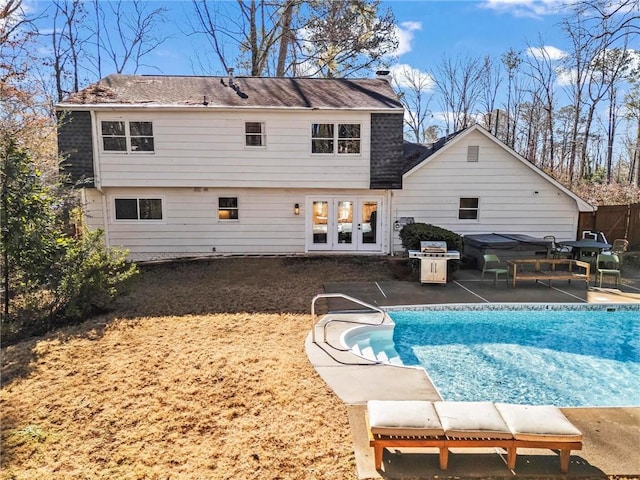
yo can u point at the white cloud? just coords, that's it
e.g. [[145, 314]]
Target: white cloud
[[405, 76], [404, 31], [526, 8], [547, 51], [565, 77]]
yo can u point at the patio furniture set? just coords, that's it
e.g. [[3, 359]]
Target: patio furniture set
[[573, 260]]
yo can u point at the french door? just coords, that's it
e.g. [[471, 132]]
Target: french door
[[344, 223]]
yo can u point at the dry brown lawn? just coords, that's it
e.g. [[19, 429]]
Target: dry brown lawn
[[199, 373]]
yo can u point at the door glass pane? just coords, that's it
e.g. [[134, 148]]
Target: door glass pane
[[369, 222], [345, 222], [320, 212]]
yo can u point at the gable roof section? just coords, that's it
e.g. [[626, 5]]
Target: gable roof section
[[420, 155], [416, 153], [251, 92]]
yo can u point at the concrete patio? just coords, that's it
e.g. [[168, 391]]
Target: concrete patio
[[611, 436]]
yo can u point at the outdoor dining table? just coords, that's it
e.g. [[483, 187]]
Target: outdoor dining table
[[586, 249]]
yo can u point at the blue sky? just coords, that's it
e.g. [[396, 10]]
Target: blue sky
[[427, 31]]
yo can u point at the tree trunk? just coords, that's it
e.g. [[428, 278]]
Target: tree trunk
[[285, 39]]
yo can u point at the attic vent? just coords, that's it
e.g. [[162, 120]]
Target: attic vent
[[473, 152]]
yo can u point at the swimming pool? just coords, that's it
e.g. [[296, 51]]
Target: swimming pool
[[563, 355]]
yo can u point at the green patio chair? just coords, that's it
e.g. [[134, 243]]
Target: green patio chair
[[493, 265], [608, 264]]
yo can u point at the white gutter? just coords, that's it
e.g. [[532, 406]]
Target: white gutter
[[144, 106]]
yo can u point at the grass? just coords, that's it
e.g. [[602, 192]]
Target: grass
[[199, 373]]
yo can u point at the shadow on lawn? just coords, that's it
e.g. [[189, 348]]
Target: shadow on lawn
[[212, 286]]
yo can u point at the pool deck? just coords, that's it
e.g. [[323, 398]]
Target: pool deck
[[611, 436]]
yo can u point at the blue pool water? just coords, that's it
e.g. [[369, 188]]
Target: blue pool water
[[557, 357]]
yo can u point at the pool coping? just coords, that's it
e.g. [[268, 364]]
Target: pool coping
[[355, 384]]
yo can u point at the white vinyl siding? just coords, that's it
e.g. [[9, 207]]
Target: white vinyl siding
[[207, 149], [267, 222], [513, 198]]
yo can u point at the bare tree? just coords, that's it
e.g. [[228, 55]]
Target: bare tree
[[344, 37], [16, 30], [632, 114], [512, 60], [578, 67], [490, 80], [542, 69], [414, 90], [125, 35], [67, 45], [314, 38], [612, 21], [458, 83]]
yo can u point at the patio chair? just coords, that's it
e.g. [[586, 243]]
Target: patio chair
[[608, 264], [620, 246], [555, 250], [492, 265]]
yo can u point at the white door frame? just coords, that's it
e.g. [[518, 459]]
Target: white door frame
[[330, 235]]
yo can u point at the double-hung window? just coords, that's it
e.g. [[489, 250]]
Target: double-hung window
[[255, 134], [138, 208], [127, 136], [340, 138], [228, 208], [468, 209]]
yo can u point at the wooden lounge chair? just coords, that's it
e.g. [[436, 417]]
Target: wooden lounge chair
[[445, 425]]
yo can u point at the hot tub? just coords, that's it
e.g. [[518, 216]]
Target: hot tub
[[507, 246]]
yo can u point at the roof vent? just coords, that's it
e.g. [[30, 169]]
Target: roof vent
[[230, 76], [383, 75]]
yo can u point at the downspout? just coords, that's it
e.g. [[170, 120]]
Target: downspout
[[390, 223], [97, 180]]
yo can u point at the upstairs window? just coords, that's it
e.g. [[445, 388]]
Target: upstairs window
[[128, 137], [141, 136], [138, 208], [113, 137], [255, 134], [349, 138], [468, 209], [228, 208], [340, 138], [322, 138]]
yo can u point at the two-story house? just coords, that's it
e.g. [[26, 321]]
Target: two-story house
[[187, 166]]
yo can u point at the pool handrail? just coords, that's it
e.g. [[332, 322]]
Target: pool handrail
[[335, 295]]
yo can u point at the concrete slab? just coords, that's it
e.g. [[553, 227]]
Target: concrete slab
[[611, 436]]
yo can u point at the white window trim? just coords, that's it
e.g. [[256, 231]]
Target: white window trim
[[138, 220], [127, 136], [263, 135], [227, 220], [336, 139]]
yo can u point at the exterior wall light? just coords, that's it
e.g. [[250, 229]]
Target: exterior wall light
[[296, 209]]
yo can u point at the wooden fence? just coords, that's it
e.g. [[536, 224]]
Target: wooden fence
[[615, 221]]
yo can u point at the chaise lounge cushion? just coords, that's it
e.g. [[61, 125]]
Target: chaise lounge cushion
[[472, 420], [538, 423], [413, 418]]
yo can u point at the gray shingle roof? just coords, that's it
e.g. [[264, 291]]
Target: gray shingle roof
[[416, 153], [253, 92]]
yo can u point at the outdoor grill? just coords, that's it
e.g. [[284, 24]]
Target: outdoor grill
[[433, 257]]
